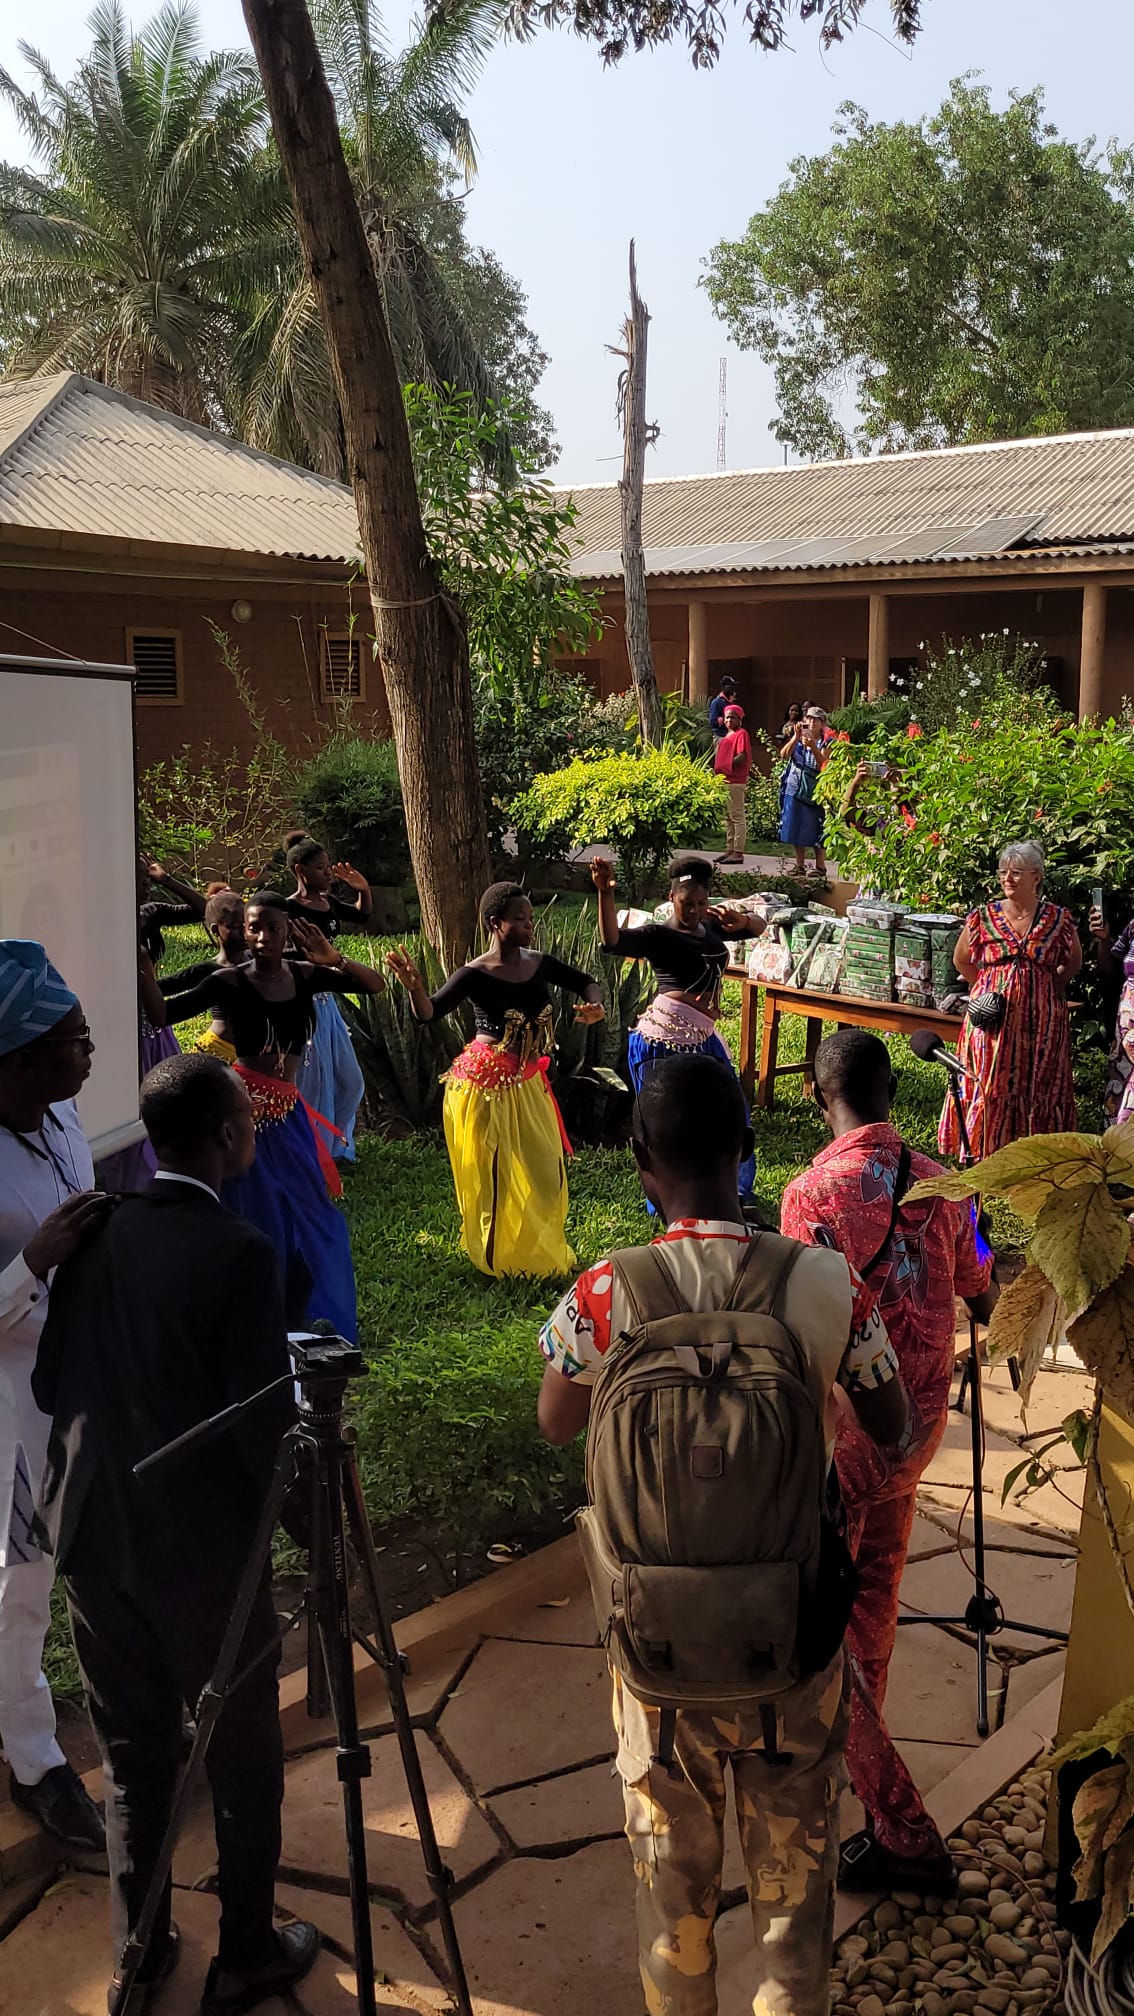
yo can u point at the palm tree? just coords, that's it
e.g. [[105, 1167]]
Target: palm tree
[[154, 221], [403, 130]]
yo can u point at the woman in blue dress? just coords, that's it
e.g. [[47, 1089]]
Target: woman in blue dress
[[801, 819]]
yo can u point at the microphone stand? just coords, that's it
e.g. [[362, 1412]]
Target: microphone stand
[[984, 1613]]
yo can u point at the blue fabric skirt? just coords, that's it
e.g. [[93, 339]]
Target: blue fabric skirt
[[330, 1076], [801, 824], [643, 1053], [284, 1193]]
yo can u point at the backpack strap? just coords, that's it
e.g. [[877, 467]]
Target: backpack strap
[[763, 1273], [649, 1286]]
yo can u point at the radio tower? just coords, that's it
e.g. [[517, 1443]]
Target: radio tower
[[722, 416]]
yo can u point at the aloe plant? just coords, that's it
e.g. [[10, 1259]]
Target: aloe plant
[[403, 1060]]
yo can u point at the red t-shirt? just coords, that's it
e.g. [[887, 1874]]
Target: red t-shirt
[[734, 756]]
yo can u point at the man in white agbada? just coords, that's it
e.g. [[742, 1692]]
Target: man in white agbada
[[46, 1203]]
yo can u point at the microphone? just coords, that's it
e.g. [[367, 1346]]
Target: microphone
[[931, 1050]]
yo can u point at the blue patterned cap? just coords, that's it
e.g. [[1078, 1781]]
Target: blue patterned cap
[[33, 995]]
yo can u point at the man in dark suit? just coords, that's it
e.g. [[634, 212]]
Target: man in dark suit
[[171, 1310]]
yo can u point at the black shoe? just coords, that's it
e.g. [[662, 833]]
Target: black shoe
[[155, 1969], [230, 1994], [63, 1806], [865, 1867]]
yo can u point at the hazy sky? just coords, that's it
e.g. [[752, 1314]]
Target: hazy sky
[[576, 159]]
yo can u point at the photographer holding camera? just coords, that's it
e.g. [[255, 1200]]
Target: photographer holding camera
[[171, 1310]]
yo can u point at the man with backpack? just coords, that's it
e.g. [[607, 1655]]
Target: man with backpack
[[706, 1364], [914, 1260]]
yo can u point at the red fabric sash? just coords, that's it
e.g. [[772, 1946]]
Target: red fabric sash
[[273, 1099], [492, 1070]]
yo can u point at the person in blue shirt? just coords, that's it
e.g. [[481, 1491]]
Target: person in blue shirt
[[717, 705]]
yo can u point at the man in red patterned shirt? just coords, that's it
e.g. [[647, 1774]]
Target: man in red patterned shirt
[[915, 1260]]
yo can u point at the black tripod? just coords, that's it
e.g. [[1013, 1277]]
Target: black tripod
[[318, 1453], [984, 1614]]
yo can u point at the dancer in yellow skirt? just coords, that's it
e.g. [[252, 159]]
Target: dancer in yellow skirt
[[504, 1131]]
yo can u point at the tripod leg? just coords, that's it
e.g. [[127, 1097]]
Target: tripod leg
[[439, 1877], [208, 1713], [976, 1424], [331, 1589]]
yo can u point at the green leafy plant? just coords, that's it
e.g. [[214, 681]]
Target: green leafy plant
[[642, 806], [862, 719], [349, 795], [997, 674], [526, 724], [973, 788], [762, 798], [589, 1063], [403, 1060]]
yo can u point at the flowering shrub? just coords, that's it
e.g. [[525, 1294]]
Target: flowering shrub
[[641, 806], [972, 789], [996, 673]]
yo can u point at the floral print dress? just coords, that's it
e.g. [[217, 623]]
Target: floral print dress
[[1023, 1068], [1118, 1099]]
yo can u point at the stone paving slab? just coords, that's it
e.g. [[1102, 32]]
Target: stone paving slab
[[428, 1684], [949, 1477], [523, 1710], [554, 1937], [1031, 1589], [931, 1686], [577, 1806], [929, 1763], [313, 1840], [569, 1620]]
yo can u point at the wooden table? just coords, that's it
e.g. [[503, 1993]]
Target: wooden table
[[847, 1011]]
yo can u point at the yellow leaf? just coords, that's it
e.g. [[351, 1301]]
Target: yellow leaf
[[1118, 1149], [1027, 1172], [1028, 1317], [1104, 1338], [1118, 1895], [1081, 1241], [1096, 1802]]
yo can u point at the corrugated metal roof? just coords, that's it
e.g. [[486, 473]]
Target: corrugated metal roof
[[81, 458], [946, 504]]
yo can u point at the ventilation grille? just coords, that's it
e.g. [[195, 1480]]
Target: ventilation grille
[[154, 657], [342, 667]]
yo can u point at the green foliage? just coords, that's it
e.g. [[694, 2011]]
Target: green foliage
[[349, 796], [685, 725], [503, 551], [861, 719], [643, 806], [525, 725], [997, 673], [403, 1060], [615, 721], [762, 798], [618, 25], [219, 813], [938, 273], [973, 789]]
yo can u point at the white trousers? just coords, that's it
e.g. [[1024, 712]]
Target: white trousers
[[27, 1712]]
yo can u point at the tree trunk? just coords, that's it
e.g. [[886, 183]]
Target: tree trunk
[[422, 642], [637, 435]]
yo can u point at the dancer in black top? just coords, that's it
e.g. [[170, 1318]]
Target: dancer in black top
[[224, 922], [263, 1014], [330, 1078], [503, 1128], [689, 958]]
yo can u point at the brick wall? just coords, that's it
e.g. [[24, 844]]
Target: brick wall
[[89, 616]]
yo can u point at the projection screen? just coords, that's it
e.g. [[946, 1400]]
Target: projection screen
[[68, 858]]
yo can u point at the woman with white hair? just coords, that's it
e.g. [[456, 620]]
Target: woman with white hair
[[1027, 950]]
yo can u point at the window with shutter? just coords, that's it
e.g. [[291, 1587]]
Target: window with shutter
[[341, 655], [156, 657]]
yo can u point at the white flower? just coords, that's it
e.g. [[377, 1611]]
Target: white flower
[[1006, 630]]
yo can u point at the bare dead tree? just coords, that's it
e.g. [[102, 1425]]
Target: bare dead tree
[[638, 434], [422, 642]]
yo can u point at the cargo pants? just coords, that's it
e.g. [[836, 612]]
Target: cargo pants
[[787, 1812]]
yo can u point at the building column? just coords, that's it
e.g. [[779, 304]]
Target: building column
[[698, 651], [1092, 650], [878, 652]]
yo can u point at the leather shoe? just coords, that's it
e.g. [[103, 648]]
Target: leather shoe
[[865, 1866], [154, 1970], [228, 1993], [63, 1806]]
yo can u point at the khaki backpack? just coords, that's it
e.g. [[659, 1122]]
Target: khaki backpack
[[719, 1575]]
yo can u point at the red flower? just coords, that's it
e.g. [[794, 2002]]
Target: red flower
[[913, 732], [976, 723], [935, 839], [1039, 812], [842, 736]]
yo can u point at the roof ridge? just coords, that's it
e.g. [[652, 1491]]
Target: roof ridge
[[874, 461], [114, 396], [56, 385]]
